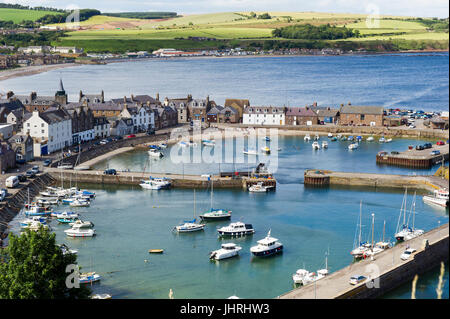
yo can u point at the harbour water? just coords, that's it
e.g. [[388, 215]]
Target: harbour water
[[417, 81], [308, 221]]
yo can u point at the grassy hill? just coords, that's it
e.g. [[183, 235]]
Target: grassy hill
[[19, 15], [239, 29]]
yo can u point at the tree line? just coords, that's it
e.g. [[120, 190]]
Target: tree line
[[311, 32]]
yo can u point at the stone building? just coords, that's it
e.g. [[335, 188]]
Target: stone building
[[361, 115], [199, 108], [239, 105], [213, 114], [82, 123], [7, 156], [22, 145], [181, 106], [301, 116], [229, 114]]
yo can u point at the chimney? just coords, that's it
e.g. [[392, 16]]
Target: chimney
[[207, 100], [315, 104], [157, 97], [81, 95], [328, 108], [33, 96], [9, 94], [124, 99], [342, 104], [132, 97], [189, 98], [349, 103]]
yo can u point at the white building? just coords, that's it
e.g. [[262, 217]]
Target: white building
[[53, 127], [67, 50], [102, 127], [264, 115], [143, 117]]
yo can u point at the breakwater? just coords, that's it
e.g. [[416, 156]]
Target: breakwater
[[324, 178], [134, 178], [386, 272], [415, 158], [14, 202], [347, 130]]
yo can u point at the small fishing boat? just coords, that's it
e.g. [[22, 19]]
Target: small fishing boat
[[382, 140], [334, 139], [324, 144], [440, 197], [154, 147], [66, 250], [236, 229], [28, 221], [80, 232], [48, 201], [259, 188], [163, 182], [265, 150], [267, 246], [350, 138], [359, 138], [316, 137], [65, 215], [315, 145], [89, 277], [156, 251], [35, 226], [81, 224], [209, 143], [250, 152], [353, 146], [67, 220], [267, 139], [370, 139], [189, 226], [299, 275], [80, 203], [162, 145], [389, 140], [216, 214], [155, 153], [307, 138], [150, 184], [312, 276], [226, 251], [330, 135], [37, 211]]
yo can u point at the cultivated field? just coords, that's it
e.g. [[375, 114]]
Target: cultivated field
[[19, 15]]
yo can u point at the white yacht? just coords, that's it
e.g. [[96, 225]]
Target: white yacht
[[353, 146], [315, 145], [440, 197], [81, 224], [299, 275], [250, 152], [189, 226], [80, 232], [307, 138], [324, 144], [370, 139], [236, 229], [405, 232], [89, 277], [267, 246], [330, 135], [226, 251], [316, 137], [155, 153], [66, 250], [80, 203]]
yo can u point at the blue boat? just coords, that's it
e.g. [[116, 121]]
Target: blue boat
[[37, 211], [155, 147], [350, 138], [267, 139], [67, 220]]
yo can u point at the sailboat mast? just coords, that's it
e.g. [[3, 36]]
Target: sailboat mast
[[414, 211], [212, 190], [373, 222], [384, 229], [360, 221], [194, 203]]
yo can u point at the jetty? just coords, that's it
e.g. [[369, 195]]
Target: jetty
[[178, 180], [415, 158], [325, 178], [386, 272]]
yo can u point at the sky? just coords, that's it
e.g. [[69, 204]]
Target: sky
[[419, 8]]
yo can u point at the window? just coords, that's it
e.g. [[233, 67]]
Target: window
[[42, 124], [43, 131], [362, 117]]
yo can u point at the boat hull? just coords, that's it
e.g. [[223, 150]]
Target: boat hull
[[269, 252], [236, 233]]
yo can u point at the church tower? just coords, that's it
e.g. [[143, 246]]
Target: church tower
[[60, 95]]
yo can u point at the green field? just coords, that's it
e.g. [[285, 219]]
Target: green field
[[19, 15], [235, 29]]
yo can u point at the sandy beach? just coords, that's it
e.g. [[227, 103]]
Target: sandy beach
[[30, 70]]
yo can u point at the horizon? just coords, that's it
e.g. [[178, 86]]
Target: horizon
[[415, 8]]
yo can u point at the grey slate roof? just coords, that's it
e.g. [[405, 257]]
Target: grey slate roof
[[354, 109]]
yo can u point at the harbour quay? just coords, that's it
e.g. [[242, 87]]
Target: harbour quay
[[177, 180], [386, 272], [325, 178], [414, 158]]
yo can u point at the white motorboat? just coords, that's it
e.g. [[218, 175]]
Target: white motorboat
[[155, 153], [80, 203], [89, 277], [81, 224], [211, 143], [440, 197], [299, 275], [35, 225], [163, 182], [267, 246], [316, 137], [48, 200], [163, 145], [324, 144], [250, 152], [353, 146], [259, 188], [34, 219], [307, 138], [226, 251], [150, 184], [101, 296], [312, 276], [33, 210], [315, 145], [66, 250], [265, 150], [389, 140], [236, 229], [80, 232], [382, 140], [65, 215], [370, 139], [330, 135]]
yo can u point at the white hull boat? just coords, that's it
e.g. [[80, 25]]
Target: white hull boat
[[189, 227], [324, 144], [259, 188], [307, 138], [155, 153], [81, 224], [353, 146], [88, 278], [315, 146], [250, 152], [79, 203], [149, 184], [227, 251], [80, 232], [236, 229], [439, 197], [267, 246]]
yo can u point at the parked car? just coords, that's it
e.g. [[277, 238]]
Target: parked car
[[119, 138], [103, 142], [3, 194], [110, 171], [435, 152], [35, 169], [395, 153], [47, 162], [440, 143], [420, 147], [22, 178], [407, 253], [151, 132], [356, 279], [20, 161], [131, 136], [411, 126], [427, 145], [30, 174]]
